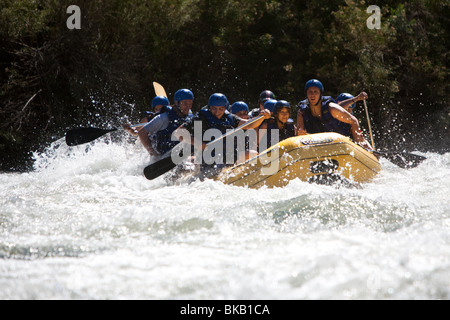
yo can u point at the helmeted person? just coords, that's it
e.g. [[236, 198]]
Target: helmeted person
[[269, 104], [156, 136], [240, 108], [319, 113], [263, 97], [158, 103], [216, 116], [348, 101], [280, 124]]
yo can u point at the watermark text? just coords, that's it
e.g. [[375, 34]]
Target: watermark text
[[374, 21], [74, 21], [226, 150]]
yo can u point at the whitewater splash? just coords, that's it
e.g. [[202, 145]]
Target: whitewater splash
[[86, 224]]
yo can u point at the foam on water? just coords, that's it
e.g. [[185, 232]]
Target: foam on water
[[87, 224]]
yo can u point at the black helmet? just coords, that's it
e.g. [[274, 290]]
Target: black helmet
[[265, 95]]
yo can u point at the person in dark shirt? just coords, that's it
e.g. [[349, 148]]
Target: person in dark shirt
[[319, 113], [280, 125]]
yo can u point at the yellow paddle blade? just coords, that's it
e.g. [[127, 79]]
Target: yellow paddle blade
[[159, 89]]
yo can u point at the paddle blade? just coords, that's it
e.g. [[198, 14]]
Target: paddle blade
[[78, 136], [159, 89], [403, 159], [158, 168]]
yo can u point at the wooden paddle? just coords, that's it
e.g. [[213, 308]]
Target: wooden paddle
[[368, 122], [159, 89], [79, 136]]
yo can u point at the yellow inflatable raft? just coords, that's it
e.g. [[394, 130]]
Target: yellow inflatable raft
[[315, 157]]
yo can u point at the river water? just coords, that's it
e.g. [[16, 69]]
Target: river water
[[86, 224]]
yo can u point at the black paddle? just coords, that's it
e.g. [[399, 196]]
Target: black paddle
[[158, 168], [404, 160], [79, 136]]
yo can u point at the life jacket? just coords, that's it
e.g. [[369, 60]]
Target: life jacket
[[212, 122], [163, 137], [287, 131], [226, 122], [327, 123]]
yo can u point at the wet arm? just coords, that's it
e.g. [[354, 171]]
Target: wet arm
[[160, 122], [341, 114], [145, 140], [347, 103]]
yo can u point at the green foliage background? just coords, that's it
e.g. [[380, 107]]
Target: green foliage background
[[53, 78]]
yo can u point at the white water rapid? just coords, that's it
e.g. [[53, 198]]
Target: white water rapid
[[86, 224]]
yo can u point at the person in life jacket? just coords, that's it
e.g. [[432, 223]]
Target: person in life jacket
[[319, 113], [156, 136], [216, 116], [270, 104], [240, 108], [280, 124], [158, 103], [348, 101]]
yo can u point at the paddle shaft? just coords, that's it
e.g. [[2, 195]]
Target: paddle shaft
[[79, 136], [235, 130], [368, 122], [404, 160]]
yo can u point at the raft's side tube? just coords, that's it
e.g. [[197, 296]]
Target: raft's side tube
[[305, 157]]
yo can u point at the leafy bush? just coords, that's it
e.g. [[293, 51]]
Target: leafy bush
[[55, 78]]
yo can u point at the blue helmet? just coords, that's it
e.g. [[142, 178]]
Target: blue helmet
[[160, 100], [183, 94], [314, 83], [345, 96], [270, 104], [218, 100], [281, 104], [239, 106]]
